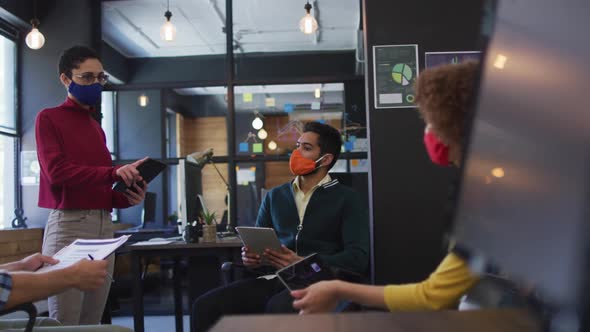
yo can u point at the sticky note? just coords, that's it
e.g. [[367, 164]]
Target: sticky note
[[348, 146], [269, 102], [289, 108], [244, 147]]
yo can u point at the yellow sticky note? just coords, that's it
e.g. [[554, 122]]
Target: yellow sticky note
[[269, 102], [247, 97]]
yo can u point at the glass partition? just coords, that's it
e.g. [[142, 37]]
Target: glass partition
[[270, 118], [7, 171], [196, 120], [7, 85], [186, 182]]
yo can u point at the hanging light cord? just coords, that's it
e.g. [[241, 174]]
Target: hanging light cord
[[168, 14], [34, 20], [307, 7]]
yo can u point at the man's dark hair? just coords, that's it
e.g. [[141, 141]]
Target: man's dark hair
[[73, 57], [329, 139]]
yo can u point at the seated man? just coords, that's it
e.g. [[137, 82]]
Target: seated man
[[443, 95], [311, 214]]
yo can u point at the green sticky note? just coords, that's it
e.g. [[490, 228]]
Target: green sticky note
[[257, 147]]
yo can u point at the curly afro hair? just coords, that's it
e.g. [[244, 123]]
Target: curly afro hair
[[443, 96]]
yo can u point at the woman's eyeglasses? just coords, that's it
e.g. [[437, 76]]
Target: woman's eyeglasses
[[90, 78]]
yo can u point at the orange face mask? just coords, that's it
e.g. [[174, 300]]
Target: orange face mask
[[300, 165]]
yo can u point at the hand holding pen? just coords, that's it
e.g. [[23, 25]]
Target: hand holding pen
[[108, 274], [87, 275]]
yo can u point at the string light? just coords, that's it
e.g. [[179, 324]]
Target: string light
[[257, 123], [262, 134]]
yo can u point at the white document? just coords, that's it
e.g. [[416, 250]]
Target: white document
[[85, 249], [152, 243]]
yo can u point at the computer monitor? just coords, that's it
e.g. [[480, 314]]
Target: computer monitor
[[190, 188], [524, 198], [148, 212]]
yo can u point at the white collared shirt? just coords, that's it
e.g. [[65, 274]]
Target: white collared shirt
[[302, 199]]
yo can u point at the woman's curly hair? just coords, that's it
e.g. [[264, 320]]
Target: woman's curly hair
[[443, 96]]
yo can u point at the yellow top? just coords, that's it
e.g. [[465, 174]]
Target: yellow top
[[442, 290], [302, 199]]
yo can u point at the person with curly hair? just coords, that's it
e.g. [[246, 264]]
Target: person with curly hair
[[443, 96]]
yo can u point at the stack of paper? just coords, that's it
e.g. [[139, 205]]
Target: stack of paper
[[85, 249]]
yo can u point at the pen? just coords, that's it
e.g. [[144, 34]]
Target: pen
[[108, 274]]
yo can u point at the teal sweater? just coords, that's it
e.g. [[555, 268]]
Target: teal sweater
[[335, 224]]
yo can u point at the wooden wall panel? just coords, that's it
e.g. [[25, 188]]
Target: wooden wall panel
[[276, 173], [16, 244], [288, 139], [198, 134], [286, 142]]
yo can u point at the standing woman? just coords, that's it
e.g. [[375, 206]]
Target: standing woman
[[77, 176]]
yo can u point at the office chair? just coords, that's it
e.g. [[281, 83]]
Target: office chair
[[29, 308], [492, 292]]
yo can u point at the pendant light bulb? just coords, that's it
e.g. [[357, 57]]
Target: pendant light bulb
[[168, 30], [308, 23], [318, 93], [257, 123], [262, 134], [35, 39], [143, 100]]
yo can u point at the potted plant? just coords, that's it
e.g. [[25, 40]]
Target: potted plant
[[209, 226]]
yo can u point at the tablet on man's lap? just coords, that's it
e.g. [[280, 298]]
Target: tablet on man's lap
[[257, 239]]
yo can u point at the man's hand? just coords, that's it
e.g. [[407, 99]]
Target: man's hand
[[137, 196], [88, 274], [280, 259], [129, 173], [250, 259], [35, 261], [319, 297]]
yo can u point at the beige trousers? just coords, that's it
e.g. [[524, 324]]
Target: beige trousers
[[74, 307]]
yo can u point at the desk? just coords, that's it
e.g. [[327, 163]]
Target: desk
[[440, 321], [226, 249]]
